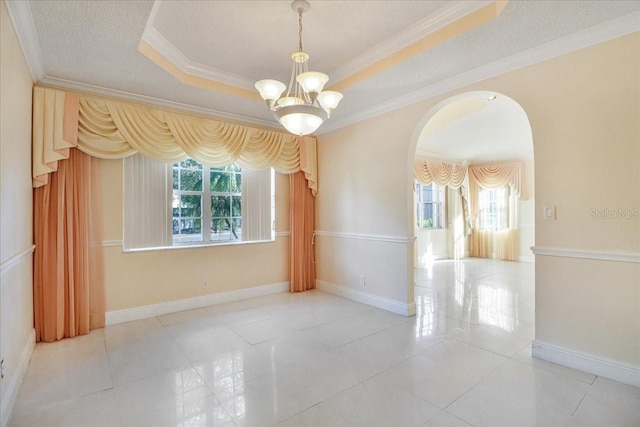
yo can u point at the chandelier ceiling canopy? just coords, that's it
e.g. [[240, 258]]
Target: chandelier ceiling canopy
[[305, 106]]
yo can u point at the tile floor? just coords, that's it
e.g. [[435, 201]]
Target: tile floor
[[315, 359]]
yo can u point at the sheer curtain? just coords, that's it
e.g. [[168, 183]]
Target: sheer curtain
[[68, 281], [496, 234], [147, 203]]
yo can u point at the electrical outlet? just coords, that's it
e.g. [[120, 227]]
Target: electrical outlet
[[2, 369], [363, 280], [204, 284]]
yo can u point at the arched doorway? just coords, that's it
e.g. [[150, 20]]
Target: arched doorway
[[452, 225]]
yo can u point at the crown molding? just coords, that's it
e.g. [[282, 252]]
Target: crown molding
[[25, 28], [445, 16], [430, 155], [598, 34], [164, 47], [149, 100]]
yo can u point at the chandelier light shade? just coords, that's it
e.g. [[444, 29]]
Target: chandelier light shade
[[305, 105]]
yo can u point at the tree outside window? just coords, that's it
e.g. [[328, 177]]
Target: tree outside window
[[194, 219]]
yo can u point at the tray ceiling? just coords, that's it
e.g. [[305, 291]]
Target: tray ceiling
[[97, 46]]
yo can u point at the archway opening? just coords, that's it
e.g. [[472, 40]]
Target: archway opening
[[472, 208]]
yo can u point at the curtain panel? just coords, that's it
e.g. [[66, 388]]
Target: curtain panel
[[441, 172], [502, 244], [110, 129], [68, 280], [302, 274]]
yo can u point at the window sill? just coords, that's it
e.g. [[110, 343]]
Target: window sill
[[196, 245]]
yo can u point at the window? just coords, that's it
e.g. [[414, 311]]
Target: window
[[189, 203], [206, 210], [429, 205], [493, 208]]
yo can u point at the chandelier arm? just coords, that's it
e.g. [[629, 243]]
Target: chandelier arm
[[292, 81]]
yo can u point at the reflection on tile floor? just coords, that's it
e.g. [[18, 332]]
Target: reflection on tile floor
[[315, 359]]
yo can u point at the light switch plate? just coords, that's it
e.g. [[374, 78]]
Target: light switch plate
[[549, 212]]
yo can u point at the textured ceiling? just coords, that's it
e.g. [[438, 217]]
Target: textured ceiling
[[473, 128], [93, 46], [333, 33]]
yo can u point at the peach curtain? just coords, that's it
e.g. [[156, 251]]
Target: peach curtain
[[69, 295], [441, 172], [302, 258]]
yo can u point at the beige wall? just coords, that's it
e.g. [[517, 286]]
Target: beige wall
[[135, 279], [527, 219], [583, 108], [362, 204], [590, 306], [16, 295]]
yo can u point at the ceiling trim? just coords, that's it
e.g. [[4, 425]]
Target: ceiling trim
[[183, 67], [430, 155], [93, 90], [445, 16], [445, 32], [164, 47], [191, 78], [25, 28], [598, 34]]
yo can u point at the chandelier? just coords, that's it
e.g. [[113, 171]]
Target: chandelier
[[305, 106]]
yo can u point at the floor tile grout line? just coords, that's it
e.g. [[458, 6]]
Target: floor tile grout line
[[579, 403]]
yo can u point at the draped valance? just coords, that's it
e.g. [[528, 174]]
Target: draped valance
[[111, 129], [496, 176], [499, 175], [441, 172]]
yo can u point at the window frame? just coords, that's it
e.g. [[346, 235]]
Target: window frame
[[437, 205], [206, 211], [488, 219], [180, 192]]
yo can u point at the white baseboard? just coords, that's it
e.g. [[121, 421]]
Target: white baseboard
[[388, 304], [602, 367], [147, 311], [13, 389]]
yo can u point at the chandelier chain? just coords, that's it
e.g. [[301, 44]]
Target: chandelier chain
[[300, 30]]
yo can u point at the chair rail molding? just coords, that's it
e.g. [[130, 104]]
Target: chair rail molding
[[595, 255], [356, 236], [14, 260]]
